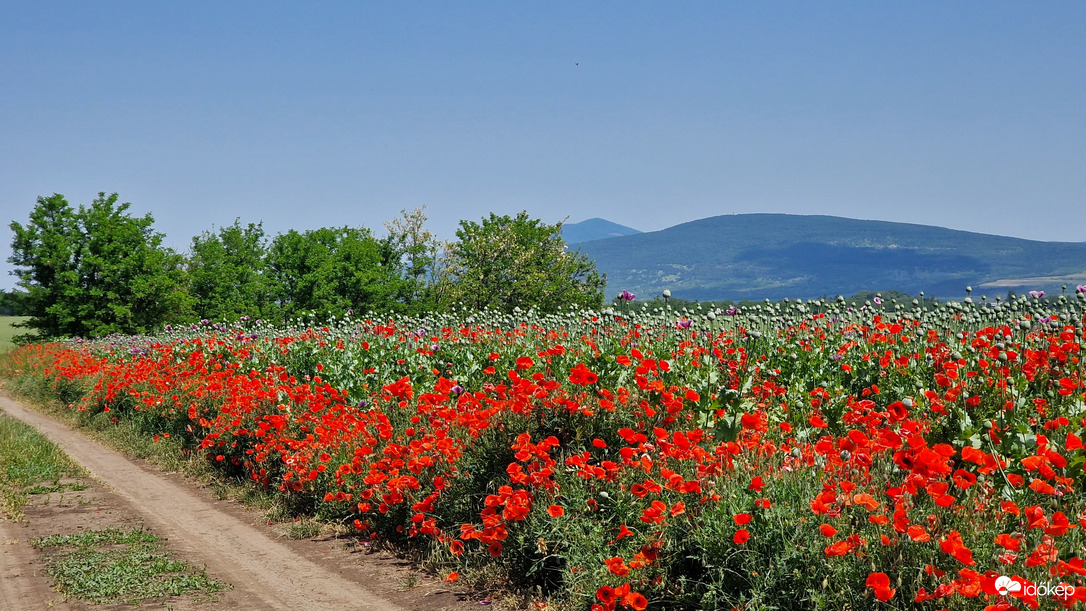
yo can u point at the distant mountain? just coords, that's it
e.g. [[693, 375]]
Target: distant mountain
[[757, 256], [594, 229]]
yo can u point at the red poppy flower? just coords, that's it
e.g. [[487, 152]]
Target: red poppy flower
[[617, 566], [880, 583], [635, 601]]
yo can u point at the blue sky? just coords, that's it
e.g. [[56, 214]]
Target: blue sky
[[967, 115]]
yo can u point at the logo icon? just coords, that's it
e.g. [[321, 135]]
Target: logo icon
[[1005, 585]]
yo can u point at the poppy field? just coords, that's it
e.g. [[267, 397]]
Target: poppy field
[[791, 455]]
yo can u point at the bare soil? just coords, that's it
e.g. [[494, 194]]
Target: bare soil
[[236, 544]]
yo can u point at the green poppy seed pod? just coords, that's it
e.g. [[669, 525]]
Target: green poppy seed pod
[[667, 293]]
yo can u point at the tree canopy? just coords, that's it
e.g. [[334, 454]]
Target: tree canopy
[[332, 270], [227, 273], [508, 262], [95, 270]]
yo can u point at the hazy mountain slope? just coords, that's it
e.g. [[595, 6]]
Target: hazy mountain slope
[[594, 229], [755, 256]]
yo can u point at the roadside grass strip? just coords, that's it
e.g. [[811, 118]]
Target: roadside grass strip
[[30, 464], [120, 567]]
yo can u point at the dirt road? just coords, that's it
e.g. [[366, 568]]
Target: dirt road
[[267, 571]]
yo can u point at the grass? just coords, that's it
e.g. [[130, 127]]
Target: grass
[[30, 464], [120, 566], [304, 529], [8, 331]]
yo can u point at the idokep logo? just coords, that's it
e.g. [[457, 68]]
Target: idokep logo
[[1007, 585]]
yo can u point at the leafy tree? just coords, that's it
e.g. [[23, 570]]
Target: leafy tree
[[227, 273], [506, 262], [418, 252], [96, 270], [329, 271]]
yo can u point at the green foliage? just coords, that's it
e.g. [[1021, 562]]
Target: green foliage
[[13, 303], [329, 271], [96, 270], [505, 263], [227, 273]]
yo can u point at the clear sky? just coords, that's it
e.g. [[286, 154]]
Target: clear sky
[[970, 115]]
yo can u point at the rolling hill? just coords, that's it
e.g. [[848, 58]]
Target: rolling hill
[[756, 256]]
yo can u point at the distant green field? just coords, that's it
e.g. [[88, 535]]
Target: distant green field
[[7, 331]]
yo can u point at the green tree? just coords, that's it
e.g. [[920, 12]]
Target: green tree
[[331, 270], [96, 270], [227, 273], [506, 262]]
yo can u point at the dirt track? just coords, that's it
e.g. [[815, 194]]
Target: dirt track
[[267, 571]]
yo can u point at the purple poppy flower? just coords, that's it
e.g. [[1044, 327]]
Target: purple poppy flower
[[732, 311], [626, 295], [1036, 294], [1080, 288], [877, 300], [685, 323]]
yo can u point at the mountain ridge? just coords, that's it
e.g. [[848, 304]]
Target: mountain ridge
[[767, 255]]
